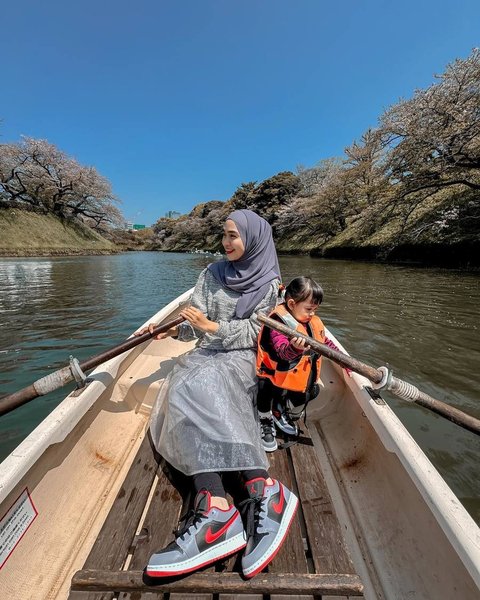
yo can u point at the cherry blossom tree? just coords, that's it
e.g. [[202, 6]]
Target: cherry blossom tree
[[36, 173]]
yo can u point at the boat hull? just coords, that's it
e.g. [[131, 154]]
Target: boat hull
[[408, 535]]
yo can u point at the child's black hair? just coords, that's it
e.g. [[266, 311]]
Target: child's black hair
[[302, 288]]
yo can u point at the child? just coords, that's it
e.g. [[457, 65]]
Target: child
[[288, 369]]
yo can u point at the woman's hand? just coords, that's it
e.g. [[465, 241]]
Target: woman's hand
[[198, 320], [299, 344], [172, 332]]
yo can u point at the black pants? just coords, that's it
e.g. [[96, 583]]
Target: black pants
[[213, 483], [269, 393]]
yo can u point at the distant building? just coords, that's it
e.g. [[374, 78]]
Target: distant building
[[172, 214], [133, 226]]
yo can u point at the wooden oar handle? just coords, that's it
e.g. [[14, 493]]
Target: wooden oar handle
[[94, 361], [400, 388]]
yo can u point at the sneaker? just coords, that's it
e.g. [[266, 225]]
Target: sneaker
[[270, 510], [283, 422], [208, 534], [267, 431]]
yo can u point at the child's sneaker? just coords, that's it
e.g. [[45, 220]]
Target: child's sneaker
[[270, 510], [267, 432], [282, 420], [208, 534]]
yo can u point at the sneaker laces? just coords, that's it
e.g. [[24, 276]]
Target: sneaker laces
[[191, 518], [267, 426], [251, 508]]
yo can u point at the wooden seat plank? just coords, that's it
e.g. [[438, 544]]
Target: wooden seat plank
[[293, 584], [234, 565], [325, 536], [291, 557], [156, 532], [115, 538]]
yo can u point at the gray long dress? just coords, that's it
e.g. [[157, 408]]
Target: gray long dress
[[204, 418]]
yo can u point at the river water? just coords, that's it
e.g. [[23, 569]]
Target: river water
[[423, 322]]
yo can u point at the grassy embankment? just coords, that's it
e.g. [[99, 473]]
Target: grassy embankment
[[25, 233]]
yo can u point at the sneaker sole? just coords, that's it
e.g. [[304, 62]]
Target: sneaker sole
[[270, 448], [277, 543], [221, 550]]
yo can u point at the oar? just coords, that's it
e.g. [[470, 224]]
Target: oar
[[382, 378], [75, 370]]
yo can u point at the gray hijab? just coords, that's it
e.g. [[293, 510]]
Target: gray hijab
[[257, 268]]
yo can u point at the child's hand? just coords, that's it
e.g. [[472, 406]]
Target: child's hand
[[299, 344]]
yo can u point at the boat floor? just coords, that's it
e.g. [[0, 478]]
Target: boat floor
[[312, 563]]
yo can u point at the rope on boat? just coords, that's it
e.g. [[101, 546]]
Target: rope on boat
[[404, 390], [53, 381], [75, 370]]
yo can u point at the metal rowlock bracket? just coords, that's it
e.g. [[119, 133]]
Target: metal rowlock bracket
[[78, 374], [374, 395]]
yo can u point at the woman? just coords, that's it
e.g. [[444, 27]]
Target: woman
[[204, 421]]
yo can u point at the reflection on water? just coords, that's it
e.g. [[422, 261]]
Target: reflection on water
[[421, 321]]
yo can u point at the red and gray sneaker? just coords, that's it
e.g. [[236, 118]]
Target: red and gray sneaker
[[208, 534], [270, 511]]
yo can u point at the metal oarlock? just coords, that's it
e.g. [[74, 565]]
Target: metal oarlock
[[77, 372], [386, 380]]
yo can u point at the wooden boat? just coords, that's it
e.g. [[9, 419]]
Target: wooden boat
[[83, 502]]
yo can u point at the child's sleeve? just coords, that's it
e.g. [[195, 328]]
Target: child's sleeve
[[328, 342], [282, 346]]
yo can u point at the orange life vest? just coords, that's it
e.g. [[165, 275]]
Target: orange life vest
[[289, 375]]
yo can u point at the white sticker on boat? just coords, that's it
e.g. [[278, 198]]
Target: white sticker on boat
[[15, 523]]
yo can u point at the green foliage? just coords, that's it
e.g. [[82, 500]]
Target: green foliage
[[266, 197]]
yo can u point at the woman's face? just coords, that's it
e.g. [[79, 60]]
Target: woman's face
[[232, 242]]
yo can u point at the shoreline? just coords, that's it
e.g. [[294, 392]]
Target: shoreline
[[32, 253], [351, 255]]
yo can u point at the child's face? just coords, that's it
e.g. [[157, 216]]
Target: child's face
[[232, 242], [302, 311]]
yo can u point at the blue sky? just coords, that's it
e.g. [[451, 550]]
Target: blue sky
[[179, 102]]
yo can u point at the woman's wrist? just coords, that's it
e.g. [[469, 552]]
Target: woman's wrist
[[212, 327]]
